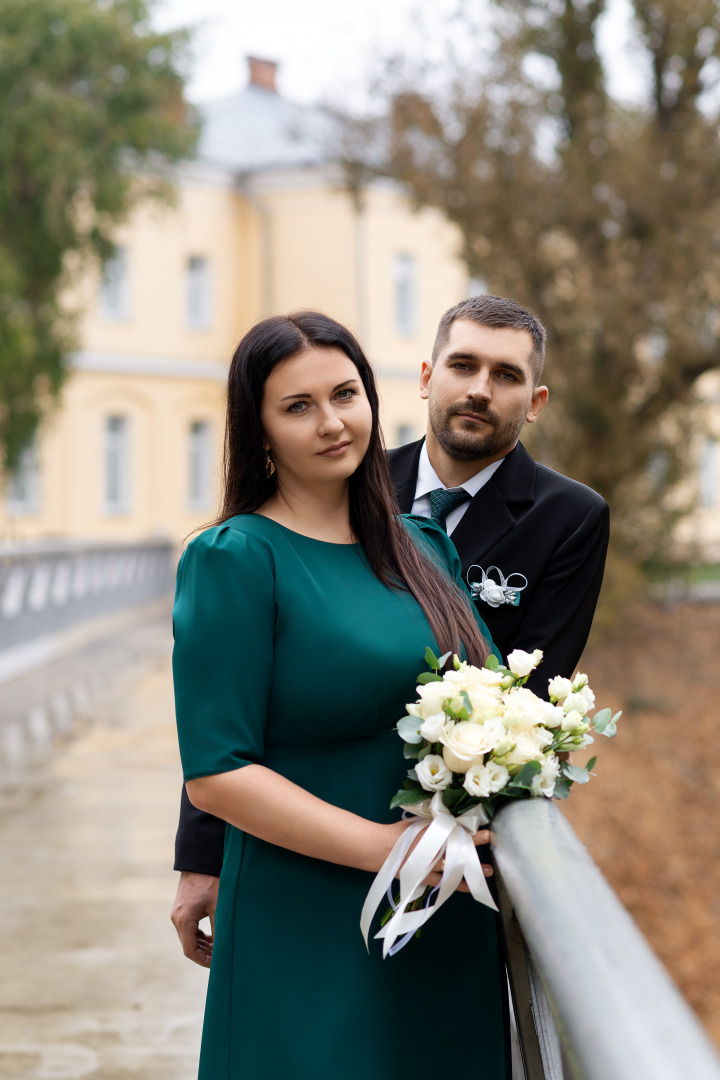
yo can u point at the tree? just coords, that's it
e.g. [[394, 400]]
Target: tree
[[93, 114], [603, 218]]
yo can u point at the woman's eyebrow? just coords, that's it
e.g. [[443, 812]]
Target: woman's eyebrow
[[334, 390]]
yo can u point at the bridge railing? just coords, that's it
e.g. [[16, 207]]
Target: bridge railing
[[49, 587], [591, 999]]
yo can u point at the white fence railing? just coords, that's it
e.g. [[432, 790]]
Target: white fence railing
[[45, 588], [591, 999]]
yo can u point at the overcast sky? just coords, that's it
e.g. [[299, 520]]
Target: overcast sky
[[326, 48]]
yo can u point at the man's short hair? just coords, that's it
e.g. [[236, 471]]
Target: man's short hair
[[497, 312]]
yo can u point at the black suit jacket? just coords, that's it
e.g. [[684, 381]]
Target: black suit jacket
[[526, 519]]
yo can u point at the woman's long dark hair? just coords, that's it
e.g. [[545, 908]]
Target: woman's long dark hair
[[374, 514]]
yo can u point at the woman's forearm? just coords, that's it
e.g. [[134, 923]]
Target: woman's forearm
[[267, 805]]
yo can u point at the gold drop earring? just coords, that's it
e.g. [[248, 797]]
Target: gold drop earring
[[269, 464]]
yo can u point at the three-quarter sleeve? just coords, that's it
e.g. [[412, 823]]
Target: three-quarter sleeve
[[224, 619]]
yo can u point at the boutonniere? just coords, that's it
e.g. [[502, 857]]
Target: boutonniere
[[497, 590]]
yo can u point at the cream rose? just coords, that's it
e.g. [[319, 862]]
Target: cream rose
[[465, 743], [432, 773]]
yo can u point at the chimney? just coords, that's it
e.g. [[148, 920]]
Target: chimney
[[262, 73]]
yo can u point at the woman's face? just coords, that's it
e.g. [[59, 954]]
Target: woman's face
[[316, 418]]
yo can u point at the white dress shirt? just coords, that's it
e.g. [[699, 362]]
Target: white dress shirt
[[428, 480]]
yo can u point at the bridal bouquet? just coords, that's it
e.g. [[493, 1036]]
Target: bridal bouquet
[[477, 735]]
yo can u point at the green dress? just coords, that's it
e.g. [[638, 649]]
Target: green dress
[[290, 653]]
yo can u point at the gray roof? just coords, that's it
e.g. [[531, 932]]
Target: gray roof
[[257, 129]]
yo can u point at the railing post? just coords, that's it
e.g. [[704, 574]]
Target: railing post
[[537, 1035]]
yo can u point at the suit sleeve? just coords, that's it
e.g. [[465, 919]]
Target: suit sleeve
[[561, 608], [199, 841]]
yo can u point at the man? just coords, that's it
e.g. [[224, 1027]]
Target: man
[[532, 542]]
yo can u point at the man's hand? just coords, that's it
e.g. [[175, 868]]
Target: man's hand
[[195, 899]]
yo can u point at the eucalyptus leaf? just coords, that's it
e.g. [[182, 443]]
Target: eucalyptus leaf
[[409, 798], [562, 788], [411, 751], [412, 775], [576, 774], [492, 662], [601, 720], [444, 659], [424, 751], [431, 659], [428, 676], [407, 727], [526, 775], [452, 796]]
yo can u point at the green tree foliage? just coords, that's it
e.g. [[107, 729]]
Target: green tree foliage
[[92, 114], [604, 219]]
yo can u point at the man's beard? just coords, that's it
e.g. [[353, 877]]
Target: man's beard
[[466, 442]]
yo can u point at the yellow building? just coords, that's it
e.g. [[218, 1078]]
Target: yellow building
[[262, 224]]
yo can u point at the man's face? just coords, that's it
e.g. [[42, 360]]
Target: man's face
[[480, 391]]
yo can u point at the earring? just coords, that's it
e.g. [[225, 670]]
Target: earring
[[269, 465]]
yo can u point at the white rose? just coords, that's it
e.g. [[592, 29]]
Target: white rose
[[432, 726], [574, 721], [523, 710], [579, 681], [559, 688], [433, 773], [485, 780], [431, 696], [584, 700], [465, 743], [544, 782], [526, 749], [522, 663]]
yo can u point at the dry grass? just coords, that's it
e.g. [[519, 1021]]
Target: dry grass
[[651, 816]]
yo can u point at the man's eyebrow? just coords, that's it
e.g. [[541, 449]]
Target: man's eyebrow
[[508, 365], [297, 397]]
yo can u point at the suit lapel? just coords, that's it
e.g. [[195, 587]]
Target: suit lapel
[[492, 513], [404, 470]]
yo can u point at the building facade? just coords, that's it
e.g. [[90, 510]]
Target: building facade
[[262, 224]]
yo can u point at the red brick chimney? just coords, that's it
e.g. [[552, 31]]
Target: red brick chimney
[[262, 73]]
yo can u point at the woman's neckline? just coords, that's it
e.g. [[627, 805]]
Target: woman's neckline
[[294, 532]]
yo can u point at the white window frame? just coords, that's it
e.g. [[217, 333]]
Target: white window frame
[[405, 294], [198, 293], [114, 296], [22, 498], [116, 464], [200, 465]]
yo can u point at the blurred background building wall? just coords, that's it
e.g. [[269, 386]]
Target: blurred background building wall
[[262, 224]]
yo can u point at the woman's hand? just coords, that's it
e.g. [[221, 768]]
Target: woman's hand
[[481, 837]]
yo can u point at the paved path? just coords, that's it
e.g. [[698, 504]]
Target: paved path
[[93, 981]]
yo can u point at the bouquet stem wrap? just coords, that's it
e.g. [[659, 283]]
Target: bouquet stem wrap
[[445, 837]]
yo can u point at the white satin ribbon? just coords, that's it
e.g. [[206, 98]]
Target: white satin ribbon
[[444, 836]]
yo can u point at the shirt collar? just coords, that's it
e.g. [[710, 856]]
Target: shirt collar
[[428, 479]]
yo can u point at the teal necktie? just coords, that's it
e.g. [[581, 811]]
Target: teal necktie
[[443, 501]]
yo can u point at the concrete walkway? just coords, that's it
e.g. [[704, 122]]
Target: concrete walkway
[[93, 980]]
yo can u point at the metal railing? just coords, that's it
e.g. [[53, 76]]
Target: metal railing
[[591, 999], [48, 587]]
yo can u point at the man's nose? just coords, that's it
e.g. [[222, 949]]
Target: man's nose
[[480, 386]]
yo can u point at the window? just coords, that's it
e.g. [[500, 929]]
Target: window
[[23, 489], [197, 293], [114, 287], [405, 433], [404, 273], [200, 462], [708, 478], [117, 465]]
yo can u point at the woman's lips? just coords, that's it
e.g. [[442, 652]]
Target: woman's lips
[[335, 451]]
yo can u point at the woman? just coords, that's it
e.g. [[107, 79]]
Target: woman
[[301, 622]]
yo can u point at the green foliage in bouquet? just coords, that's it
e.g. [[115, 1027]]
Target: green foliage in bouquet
[[478, 735]]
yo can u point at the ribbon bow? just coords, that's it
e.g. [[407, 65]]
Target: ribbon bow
[[444, 836], [495, 593]]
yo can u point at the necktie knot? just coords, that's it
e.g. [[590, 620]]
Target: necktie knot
[[444, 500]]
